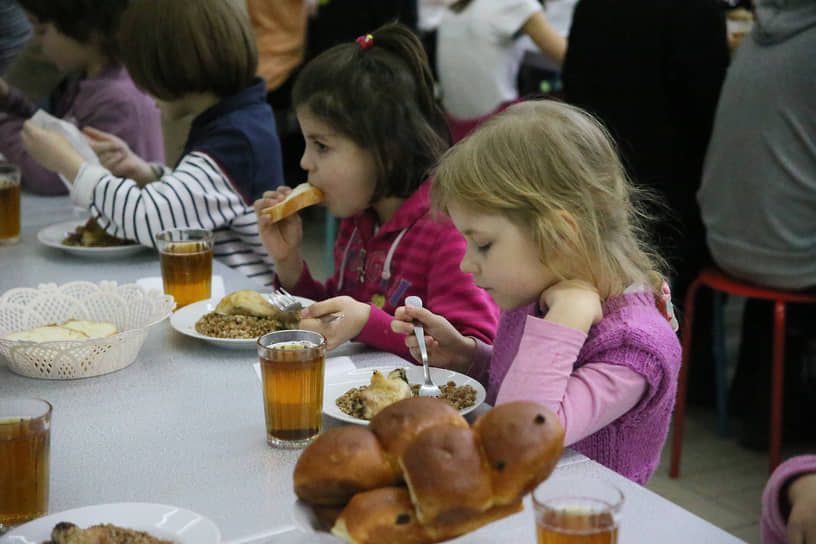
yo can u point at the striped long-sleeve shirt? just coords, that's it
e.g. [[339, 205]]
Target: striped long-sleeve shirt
[[232, 155], [196, 194]]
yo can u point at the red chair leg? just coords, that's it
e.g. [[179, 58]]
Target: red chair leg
[[777, 384], [680, 402]]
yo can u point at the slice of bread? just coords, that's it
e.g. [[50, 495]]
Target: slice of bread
[[92, 329], [50, 333], [302, 196]]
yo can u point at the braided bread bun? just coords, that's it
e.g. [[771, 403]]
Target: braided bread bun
[[457, 478]]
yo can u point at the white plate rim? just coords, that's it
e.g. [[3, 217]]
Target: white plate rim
[[184, 320], [160, 520], [52, 236], [337, 384]]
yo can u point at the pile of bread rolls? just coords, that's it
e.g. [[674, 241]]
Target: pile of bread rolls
[[420, 474]]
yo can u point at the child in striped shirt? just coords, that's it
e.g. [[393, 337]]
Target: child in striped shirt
[[373, 129], [198, 58]]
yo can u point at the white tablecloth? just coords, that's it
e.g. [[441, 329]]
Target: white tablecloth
[[184, 425]]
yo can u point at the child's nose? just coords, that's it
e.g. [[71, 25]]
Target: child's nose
[[305, 162], [467, 265]]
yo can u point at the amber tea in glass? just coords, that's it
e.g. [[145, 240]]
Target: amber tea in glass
[[186, 264], [25, 434], [9, 203], [572, 510], [292, 364]]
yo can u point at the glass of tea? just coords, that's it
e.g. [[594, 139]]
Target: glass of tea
[[25, 436], [570, 510], [9, 203], [186, 264], [292, 364]]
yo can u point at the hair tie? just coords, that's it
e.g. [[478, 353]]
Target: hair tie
[[366, 41]]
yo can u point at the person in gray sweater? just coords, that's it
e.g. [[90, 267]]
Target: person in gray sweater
[[758, 194]]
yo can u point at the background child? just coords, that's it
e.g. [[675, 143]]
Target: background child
[[789, 502], [373, 129], [206, 66], [545, 206], [80, 37]]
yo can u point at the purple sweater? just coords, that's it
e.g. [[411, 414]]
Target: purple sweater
[[109, 102], [774, 523], [413, 253], [633, 334]]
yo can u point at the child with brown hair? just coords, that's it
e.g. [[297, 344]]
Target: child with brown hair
[[373, 130], [198, 58], [553, 236], [79, 36]]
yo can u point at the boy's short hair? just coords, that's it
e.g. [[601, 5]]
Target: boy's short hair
[[86, 21], [172, 48]]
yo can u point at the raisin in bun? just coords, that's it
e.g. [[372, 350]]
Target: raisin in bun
[[447, 473], [384, 515], [302, 196], [338, 464], [523, 442], [397, 425]]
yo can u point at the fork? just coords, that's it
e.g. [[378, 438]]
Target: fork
[[428, 389], [285, 302]]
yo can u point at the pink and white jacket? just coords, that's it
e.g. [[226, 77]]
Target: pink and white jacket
[[414, 253]]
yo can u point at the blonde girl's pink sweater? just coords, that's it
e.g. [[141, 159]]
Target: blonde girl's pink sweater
[[632, 348], [414, 253]]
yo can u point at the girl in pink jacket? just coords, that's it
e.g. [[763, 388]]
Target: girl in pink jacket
[[542, 199], [373, 130]]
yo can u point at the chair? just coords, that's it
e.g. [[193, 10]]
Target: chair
[[718, 281]]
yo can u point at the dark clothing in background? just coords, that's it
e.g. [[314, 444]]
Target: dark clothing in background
[[651, 70], [338, 21]]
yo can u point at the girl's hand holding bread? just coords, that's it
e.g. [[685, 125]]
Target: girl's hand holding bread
[[447, 348], [282, 239]]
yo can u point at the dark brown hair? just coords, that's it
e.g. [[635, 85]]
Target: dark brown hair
[[172, 48], [89, 22], [382, 98]]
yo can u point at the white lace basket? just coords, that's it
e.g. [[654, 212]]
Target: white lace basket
[[130, 307]]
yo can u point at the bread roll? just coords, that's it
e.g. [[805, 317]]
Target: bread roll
[[447, 529], [458, 478], [397, 425], [381, 516], [339, 463], [447, 474], [302, 196], [523, 442]]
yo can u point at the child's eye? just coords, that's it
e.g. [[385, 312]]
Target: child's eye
[[321, 147], [484, 248]]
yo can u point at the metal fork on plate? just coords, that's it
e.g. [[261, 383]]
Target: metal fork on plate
[[286, 302], [428, 389]]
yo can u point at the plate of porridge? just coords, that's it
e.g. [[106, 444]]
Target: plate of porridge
[[235, 321], [355, 396]]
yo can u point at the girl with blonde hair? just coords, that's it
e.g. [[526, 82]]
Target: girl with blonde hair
[[553, 236]]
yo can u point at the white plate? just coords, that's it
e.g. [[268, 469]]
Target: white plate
[[53, 235], [184, 320], [159, 520], [336, 385]]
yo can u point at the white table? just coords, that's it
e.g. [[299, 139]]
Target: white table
[[183, 425]]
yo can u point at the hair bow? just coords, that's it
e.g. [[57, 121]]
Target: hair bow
[[366, 41]]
